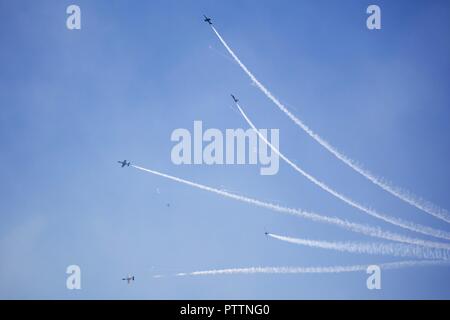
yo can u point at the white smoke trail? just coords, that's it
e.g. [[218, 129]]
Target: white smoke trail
[[375, 248], [395, 221], [332, 269], [352, 226], [401, 194]]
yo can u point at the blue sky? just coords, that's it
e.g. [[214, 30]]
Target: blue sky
[[75, 102]]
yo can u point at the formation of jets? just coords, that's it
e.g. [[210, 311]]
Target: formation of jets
[[126, 163]]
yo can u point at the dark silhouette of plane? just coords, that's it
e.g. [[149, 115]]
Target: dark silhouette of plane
[[128, 279], [234, 98], [207, 20], [124, 163]]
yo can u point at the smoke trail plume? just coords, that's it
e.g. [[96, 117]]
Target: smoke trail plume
[[320, 270], [374, 248], [395, 221], [401, 194], [352, 226]]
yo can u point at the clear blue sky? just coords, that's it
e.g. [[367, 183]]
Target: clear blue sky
[[72, 103]]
